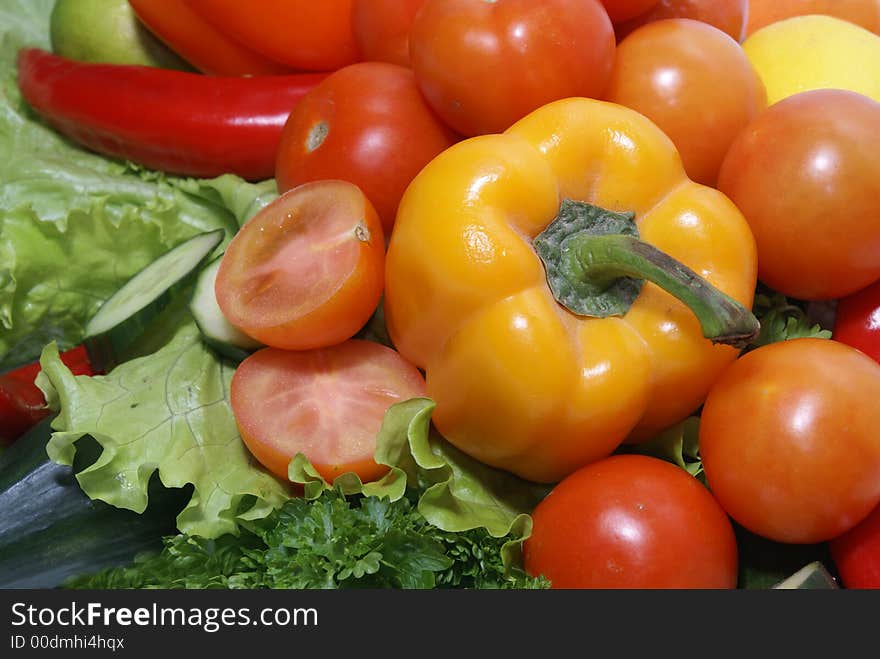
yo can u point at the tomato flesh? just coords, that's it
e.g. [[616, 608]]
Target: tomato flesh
[[327, 404], [307, 270]]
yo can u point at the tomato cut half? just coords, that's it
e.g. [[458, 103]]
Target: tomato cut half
[[327, 404], [307, 271]]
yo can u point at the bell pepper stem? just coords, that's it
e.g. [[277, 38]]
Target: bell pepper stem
[[604, 259]]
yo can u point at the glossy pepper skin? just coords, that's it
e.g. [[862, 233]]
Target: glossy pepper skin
[[857, 320], [22, 404], [174, 121], [521, 383]]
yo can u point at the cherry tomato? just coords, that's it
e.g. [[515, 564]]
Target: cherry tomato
[[381, 29], [727, 15], [693, 81], [861, 12], [307, 270], [789, 441], [856, 553], [368, 124], [804, 173], [484, 65], [196, 40], [327, 404], [303, 34], [631, 521], [623, 10], [857, 321]]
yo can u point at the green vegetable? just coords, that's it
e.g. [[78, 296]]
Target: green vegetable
[[127, 314], [333, 541], [107, 31], [456, 492], [216, 330], [50, 530], [75, 226], [165, 412], [782, 319]]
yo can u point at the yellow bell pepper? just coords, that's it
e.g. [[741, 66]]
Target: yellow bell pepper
[[538, 386]]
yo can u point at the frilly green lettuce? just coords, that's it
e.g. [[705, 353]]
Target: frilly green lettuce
[[74, 226]]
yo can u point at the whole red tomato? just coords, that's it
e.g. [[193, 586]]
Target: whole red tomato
[[631, 521], [693, 81], [381, 29], [856, 553], [727, 15], [367, 124], [789, 441], [484, 65], [623, 10], [805, 174]]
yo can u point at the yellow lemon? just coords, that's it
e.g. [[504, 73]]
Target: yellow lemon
[[815, 52]]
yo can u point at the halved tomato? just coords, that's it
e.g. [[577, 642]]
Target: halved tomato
[[327, 404], [307, 271]]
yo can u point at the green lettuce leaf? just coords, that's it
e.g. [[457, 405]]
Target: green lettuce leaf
[[74, 226], [455, 492], [167, 412]]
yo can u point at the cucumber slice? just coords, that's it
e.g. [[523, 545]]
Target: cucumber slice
[[810, 577], [216, 330], [125, 315]]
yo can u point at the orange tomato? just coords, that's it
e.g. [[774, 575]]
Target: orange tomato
[[693, 81]]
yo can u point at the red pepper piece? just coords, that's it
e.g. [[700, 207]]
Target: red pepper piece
[[857, 321], [22, 404], [200, 43], [179, 122]]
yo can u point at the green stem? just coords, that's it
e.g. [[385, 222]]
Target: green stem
[[605, 258], [596, 266]]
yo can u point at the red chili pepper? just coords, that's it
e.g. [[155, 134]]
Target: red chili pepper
[[175, 121], [857, 321], [22, 404]]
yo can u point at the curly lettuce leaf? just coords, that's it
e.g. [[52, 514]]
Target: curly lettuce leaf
[[167, 412], [679, 445], [74, 226], [455, 492]]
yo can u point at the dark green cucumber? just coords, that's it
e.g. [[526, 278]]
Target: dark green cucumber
[[126, 314], [50, 530], [216, 330]]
